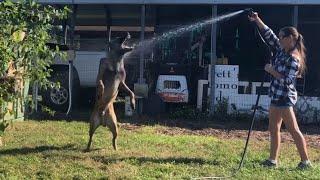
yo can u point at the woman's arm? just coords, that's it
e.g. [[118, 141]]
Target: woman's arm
[[255, 18], [269, 68], [290, 73], [270, 37]]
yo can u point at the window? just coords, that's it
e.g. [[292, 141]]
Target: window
[[238, 41], [172, 85], [309, 27]]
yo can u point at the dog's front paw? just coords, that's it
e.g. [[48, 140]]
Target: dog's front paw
[[133, 104], [133, 101]]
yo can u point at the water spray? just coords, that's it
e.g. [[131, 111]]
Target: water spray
[[150, 43], [250, 12]]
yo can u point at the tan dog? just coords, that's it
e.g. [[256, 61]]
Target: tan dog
[[111, 77]]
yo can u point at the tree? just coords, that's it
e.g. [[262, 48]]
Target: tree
[[26, 27]]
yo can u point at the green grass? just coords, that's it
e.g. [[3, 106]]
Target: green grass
[[54, 150]]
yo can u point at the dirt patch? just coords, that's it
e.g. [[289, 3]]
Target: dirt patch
[[312, 140], [130, 127], [226, 130]]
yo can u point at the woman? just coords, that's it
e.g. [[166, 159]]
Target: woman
[[287, 64]]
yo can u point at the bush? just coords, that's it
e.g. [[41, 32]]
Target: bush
[[189, 113]]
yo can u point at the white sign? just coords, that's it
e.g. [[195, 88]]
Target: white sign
[[226, 81], [227, 85]]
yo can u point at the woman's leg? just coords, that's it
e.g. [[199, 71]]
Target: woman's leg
[[275, 122], [290, 121]]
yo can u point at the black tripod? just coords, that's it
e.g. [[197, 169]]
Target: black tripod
[[257, 101], [249, 12]]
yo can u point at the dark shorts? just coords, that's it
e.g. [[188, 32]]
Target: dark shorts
[[282, 103]]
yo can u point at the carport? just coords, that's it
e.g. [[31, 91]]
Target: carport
[[230, 39]]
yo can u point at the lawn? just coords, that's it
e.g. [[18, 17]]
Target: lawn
[[54, 150]]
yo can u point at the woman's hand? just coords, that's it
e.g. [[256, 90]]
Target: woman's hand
[[253, 17], [268, 68]]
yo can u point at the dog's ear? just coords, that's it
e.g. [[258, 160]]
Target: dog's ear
[[128, 43], [115, 44], [128, 36]]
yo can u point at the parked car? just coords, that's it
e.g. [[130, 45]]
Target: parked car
[[84, 73]]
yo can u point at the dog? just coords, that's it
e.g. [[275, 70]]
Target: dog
[[110, 78]]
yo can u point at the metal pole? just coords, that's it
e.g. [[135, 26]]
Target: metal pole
[[35, 96], [295, 16], [213, 58], [108, 22], [72, 25], [141, 68], [295, 22]]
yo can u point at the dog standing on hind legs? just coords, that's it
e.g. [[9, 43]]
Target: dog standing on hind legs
[[111, 77]]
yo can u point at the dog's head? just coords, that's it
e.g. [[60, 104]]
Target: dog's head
[[121, 45]]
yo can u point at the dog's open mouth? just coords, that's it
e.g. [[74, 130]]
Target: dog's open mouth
[[129, 47]]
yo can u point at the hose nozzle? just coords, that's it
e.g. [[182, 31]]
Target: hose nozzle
[[248, 11]]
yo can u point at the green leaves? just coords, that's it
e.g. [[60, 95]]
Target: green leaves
[[25, 30], [18, 36], [3, 126]]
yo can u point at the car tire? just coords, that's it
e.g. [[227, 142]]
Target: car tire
[[58, 98]]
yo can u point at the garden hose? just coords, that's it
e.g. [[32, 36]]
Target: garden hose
[[248, 12], [70, 86]]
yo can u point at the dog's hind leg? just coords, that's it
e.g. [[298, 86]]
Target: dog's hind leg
[[112, 124], [94, 124]]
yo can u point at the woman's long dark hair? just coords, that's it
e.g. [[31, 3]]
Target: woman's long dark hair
[[287, 31]]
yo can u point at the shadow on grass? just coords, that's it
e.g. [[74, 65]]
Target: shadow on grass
[[37, 149], [142, 160], [241, 123]]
